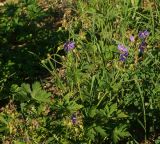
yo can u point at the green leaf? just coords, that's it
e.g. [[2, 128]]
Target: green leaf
[[23, 93], [92, 111], [73, 106], [26, 88], [36, 86], [39, 94], [101, 131], [142, 125], [3, 128], [156, 89], [91, 133], [116, 86], [67, 97], [121, 114], [120, 132], [3, 120], [111, 109]]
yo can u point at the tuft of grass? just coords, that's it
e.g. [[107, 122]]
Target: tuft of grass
[[97, 93]]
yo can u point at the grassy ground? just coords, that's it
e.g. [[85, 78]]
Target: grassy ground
[[80, 72]]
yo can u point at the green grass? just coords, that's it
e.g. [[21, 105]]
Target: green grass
[[112, 101]]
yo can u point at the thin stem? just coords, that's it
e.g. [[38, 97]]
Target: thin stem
[[143, 107]]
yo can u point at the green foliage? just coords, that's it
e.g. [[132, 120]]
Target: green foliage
[[26, 36], [94, 97], [26, 93], [120, 132]]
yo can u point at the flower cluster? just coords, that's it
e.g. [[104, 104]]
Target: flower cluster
[[68, 46], [143, 35], [124, 51]]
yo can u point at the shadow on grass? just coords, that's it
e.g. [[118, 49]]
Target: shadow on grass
[[28, 34]]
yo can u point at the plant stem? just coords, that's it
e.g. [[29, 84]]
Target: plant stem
[[143, 107]]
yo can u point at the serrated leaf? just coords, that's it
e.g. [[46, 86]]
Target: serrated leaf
[[26, 88], [23, 93], [120, 132], [92, 112], [36, 86], [111, 109], [101, 112], [39, 94], [73, 107], [14, 88], [67, 97], [101, 131], [91, 133]]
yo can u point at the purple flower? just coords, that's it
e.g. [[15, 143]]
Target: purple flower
[[74, 119], [123, 52], [121, 48], [143, 34], [132, 38], [69, 46], [123, 56], [142, 46]]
